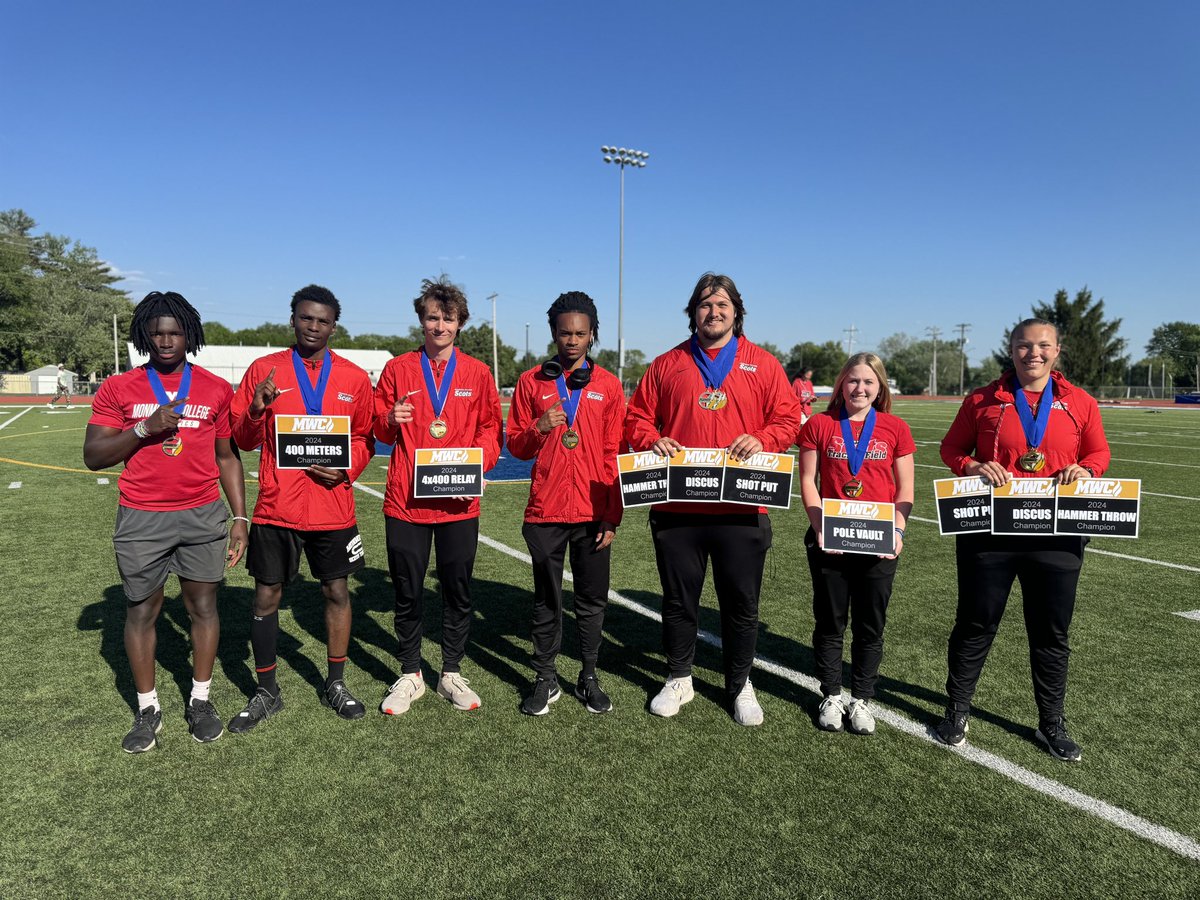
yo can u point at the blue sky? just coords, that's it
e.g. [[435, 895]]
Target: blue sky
[[884, 165]]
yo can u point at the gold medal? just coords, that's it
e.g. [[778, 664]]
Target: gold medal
[[570, 439], [713, 399], [852, 488], [438, 429], [173, 445], [1032, 460]]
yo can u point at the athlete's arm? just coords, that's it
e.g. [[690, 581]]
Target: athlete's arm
[[233, 483], [810, 496], [488, 431], [105, 446], [782, 408], [903, 471]]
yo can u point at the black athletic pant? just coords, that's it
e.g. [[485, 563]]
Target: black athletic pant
[[408, 559], [848, 587], [548, 544], [1048, 570], [737, 544]]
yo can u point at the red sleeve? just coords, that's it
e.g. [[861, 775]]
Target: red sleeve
[[488, 431], [107, 411], [224, 428], [362, 440], [958, 446], [1094, 453], [783, 421], [905, 445], [385, 399], [248, 432], [524, 439], [809, 439], [641, 425], [613, 435]]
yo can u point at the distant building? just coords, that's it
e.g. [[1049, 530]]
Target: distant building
[[231, 362]]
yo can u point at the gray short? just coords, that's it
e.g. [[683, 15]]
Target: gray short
[[151, 545]]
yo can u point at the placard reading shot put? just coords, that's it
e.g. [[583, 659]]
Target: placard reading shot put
[[1024, 506], [303, 441], [858, 526], [643, 478], [448, 472], [765, 479], [1099, 507], [964, 505], [695, 476]]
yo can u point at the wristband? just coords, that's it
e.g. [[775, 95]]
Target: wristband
[[141, 430], [900, 531], [239, 519], [1088, 469]]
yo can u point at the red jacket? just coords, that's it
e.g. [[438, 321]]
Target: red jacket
[[988, 428], [290, 498], [578, 485], [472, 417], [804, 393], [666, 404]]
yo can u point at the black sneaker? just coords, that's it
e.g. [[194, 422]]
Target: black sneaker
[[141, 737], [588, 690], [953, 728], [338, 697], [203, 721], [545, 692], [1054, 735], [262, 706]]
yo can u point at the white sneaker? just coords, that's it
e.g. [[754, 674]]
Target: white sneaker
[[402, 693], [456, 689], [746, 710], [675, 693], [830, 713], [861, 720]]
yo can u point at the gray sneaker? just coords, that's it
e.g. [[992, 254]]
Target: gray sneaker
[[746, 710], [457, 690], [859, 717], [402, 693], [830, 713], [675, 693]]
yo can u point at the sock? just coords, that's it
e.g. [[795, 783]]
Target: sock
[[264, 636], [589, 668], [148, 699], [200, 689], [337, 666]]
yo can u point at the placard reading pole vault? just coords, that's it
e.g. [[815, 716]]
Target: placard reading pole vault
[[1099, 507], [964, 505], [1024, 506], [448, 472], [643, 478], [695, 476], [765, 479], [303, 441], [858, 526]]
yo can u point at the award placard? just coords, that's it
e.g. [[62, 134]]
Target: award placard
[[440, 472], [1024, 506], [695, 476], [1099, 507], [858, 526], [643, 478], [964, 505], [764, 479], [303, 441]]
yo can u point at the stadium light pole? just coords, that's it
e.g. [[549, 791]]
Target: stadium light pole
[[526, 343], [622, 157]]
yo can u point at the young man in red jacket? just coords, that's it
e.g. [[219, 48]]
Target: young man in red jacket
[[435, 397], [309, 509], [567, 415], [715, 390]]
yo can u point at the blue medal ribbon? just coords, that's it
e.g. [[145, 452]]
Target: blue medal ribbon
[[569, 398], [856, 452], [312, 395], [438, 396], [714, 371], [160, 392], [1034, 428]]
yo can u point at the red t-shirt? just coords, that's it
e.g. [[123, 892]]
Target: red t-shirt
[[154, 480], [891, 440], [804, 393]]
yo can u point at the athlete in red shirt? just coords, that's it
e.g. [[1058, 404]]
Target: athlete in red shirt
[[803, 388], [439, 397], [716, 390], [1029, 423], [567, 415], [168, 421], [855, 449], [303, 509]]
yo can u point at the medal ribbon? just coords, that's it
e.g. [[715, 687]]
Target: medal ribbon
[[438, 396], [312, 395], [1035, 429], [857, 452], [714, 371], [160, 392], [569, 398]]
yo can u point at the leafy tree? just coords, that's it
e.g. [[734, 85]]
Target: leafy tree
[[635, 363], [826, 360], [476, 340], [1179, 344]]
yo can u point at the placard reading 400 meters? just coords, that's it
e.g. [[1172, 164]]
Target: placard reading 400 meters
[[303, 441], [858, 526], [448, 472]]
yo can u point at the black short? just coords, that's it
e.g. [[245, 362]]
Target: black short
[[274, 553]]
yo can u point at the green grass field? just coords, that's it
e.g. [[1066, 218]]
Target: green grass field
[[440, 803]]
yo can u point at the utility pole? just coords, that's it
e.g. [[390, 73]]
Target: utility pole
[[934, 332], [850, 333], [528, 362], [963, 328], [495, 350]]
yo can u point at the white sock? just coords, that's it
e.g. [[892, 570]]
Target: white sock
[[200, 689], [150, 699]]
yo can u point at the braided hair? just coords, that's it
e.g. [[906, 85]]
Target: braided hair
[[156, 305], [574, 302]]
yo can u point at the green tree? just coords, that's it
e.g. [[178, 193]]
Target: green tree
[[635, 364], [1179, 344], [910, 361], [826, 360], [476, 341]]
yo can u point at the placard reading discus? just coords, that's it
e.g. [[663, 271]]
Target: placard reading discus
[[765, 479], [1024, 506], [695, 476], [964, 505], [1099, 507], [858, 526], [643, 478], [303, 441], [448, 472]]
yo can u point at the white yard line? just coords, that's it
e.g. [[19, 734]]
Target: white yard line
[[8, 422], [1190, 614]]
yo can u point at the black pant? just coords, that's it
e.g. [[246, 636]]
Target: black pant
[[737, 544], [408, 559], [1048, 569], [548, 545], [848, 586]]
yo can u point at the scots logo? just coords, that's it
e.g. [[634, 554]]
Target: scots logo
[[592, 395], [748, 367], [462, 392], [345, 398]]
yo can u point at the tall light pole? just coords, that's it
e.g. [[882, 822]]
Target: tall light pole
[[622, 157], [495, 351], [527, 343], [962, 327], [934, 332], [850, 333]]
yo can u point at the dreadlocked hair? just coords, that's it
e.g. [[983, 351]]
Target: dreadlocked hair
[[156, 305], [575, 302]]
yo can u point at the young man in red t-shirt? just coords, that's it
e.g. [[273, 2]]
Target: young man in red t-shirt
[[168, 422], [803, 388]]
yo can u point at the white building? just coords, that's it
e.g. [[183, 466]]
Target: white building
[[231, 362]]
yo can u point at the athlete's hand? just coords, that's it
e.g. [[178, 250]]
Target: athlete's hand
[[991, 472], [1072, 473], [326, 476], [666, 446], [899, 547], [552, 418], [744, 446], [165, 418], [604, 537], [239, 539], [265, 393], [401, 412]]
